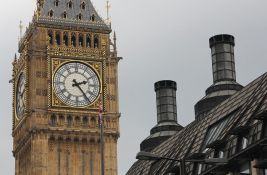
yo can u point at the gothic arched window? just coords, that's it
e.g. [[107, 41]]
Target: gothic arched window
[[79, 17], [93, 17], [70, 4], [85, 121], [80, 40], [83, 5], [56, 3], [96, 41], [88, 40], [69, 121], [64, 15], [66, 39], [53, 120], [50, 35], [51, 13], [73, 40], [58, 38]]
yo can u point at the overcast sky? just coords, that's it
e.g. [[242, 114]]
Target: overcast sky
[[158, 40]]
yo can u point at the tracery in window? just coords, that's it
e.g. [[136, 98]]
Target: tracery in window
[[50, 35], [58, 38], [80, 40], [65, 39], [96, 41], [73, 40], [88, 40]]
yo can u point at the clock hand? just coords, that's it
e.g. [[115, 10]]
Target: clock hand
[[78, 86]]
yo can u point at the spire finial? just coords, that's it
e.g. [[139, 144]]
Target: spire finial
[[20, 29], [115, 41], [108, 17]]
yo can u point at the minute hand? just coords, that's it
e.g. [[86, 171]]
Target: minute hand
[[78, 85]]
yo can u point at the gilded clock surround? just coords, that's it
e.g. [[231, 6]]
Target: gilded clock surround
[[97, 66], [52, 138]]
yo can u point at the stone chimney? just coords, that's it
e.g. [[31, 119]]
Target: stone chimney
[[166, 115], [224, 75]]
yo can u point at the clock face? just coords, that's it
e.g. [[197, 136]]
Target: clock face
[[76, 84], [20, 96]]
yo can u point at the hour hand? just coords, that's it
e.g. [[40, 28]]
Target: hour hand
[[75, 83]]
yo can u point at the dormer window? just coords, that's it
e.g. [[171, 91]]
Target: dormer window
[[64, 15], [70, 4], [79, 17], [93, 17], [56, 3], [83, 5], [51, 13]]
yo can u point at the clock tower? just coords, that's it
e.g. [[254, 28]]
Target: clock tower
[[66, 70]]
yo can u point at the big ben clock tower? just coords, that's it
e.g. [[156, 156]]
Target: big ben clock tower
[[66, 69]]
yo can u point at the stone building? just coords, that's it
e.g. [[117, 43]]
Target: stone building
[[230, 125], [66, 71]]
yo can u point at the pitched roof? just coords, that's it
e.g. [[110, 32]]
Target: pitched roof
[[238, 110], [71, 13]]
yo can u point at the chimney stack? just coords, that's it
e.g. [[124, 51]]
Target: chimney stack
[[166, 115], [223, 61], [224, 75], [166, 101]]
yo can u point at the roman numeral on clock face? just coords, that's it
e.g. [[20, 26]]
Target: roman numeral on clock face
[[76, 84]]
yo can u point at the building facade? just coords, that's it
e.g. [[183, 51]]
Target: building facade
[[67, 69], [230, 125]]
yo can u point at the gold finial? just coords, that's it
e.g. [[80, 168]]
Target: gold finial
[[108, 17], [20, 28]]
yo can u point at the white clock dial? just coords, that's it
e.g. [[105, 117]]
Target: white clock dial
[[20, 96], [76, 84]]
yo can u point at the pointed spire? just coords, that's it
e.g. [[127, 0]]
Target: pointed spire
[[15, 59], [20, 29], [108, 20]]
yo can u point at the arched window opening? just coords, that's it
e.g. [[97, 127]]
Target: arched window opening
[[93, 122], [53, 120], [81, 40], [96, 41], [61, 119], [77, 121], [56, 3], [66, 39], [51, 13], [73, 40], [65, 15], [83, 5], [58, 38], [69, 121], [79, 17], [93, 17], [70, 4], [85, 121], [88, 41], [50, 35]]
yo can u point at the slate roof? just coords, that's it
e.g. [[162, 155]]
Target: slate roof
[[89, 16], [238, 110]]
